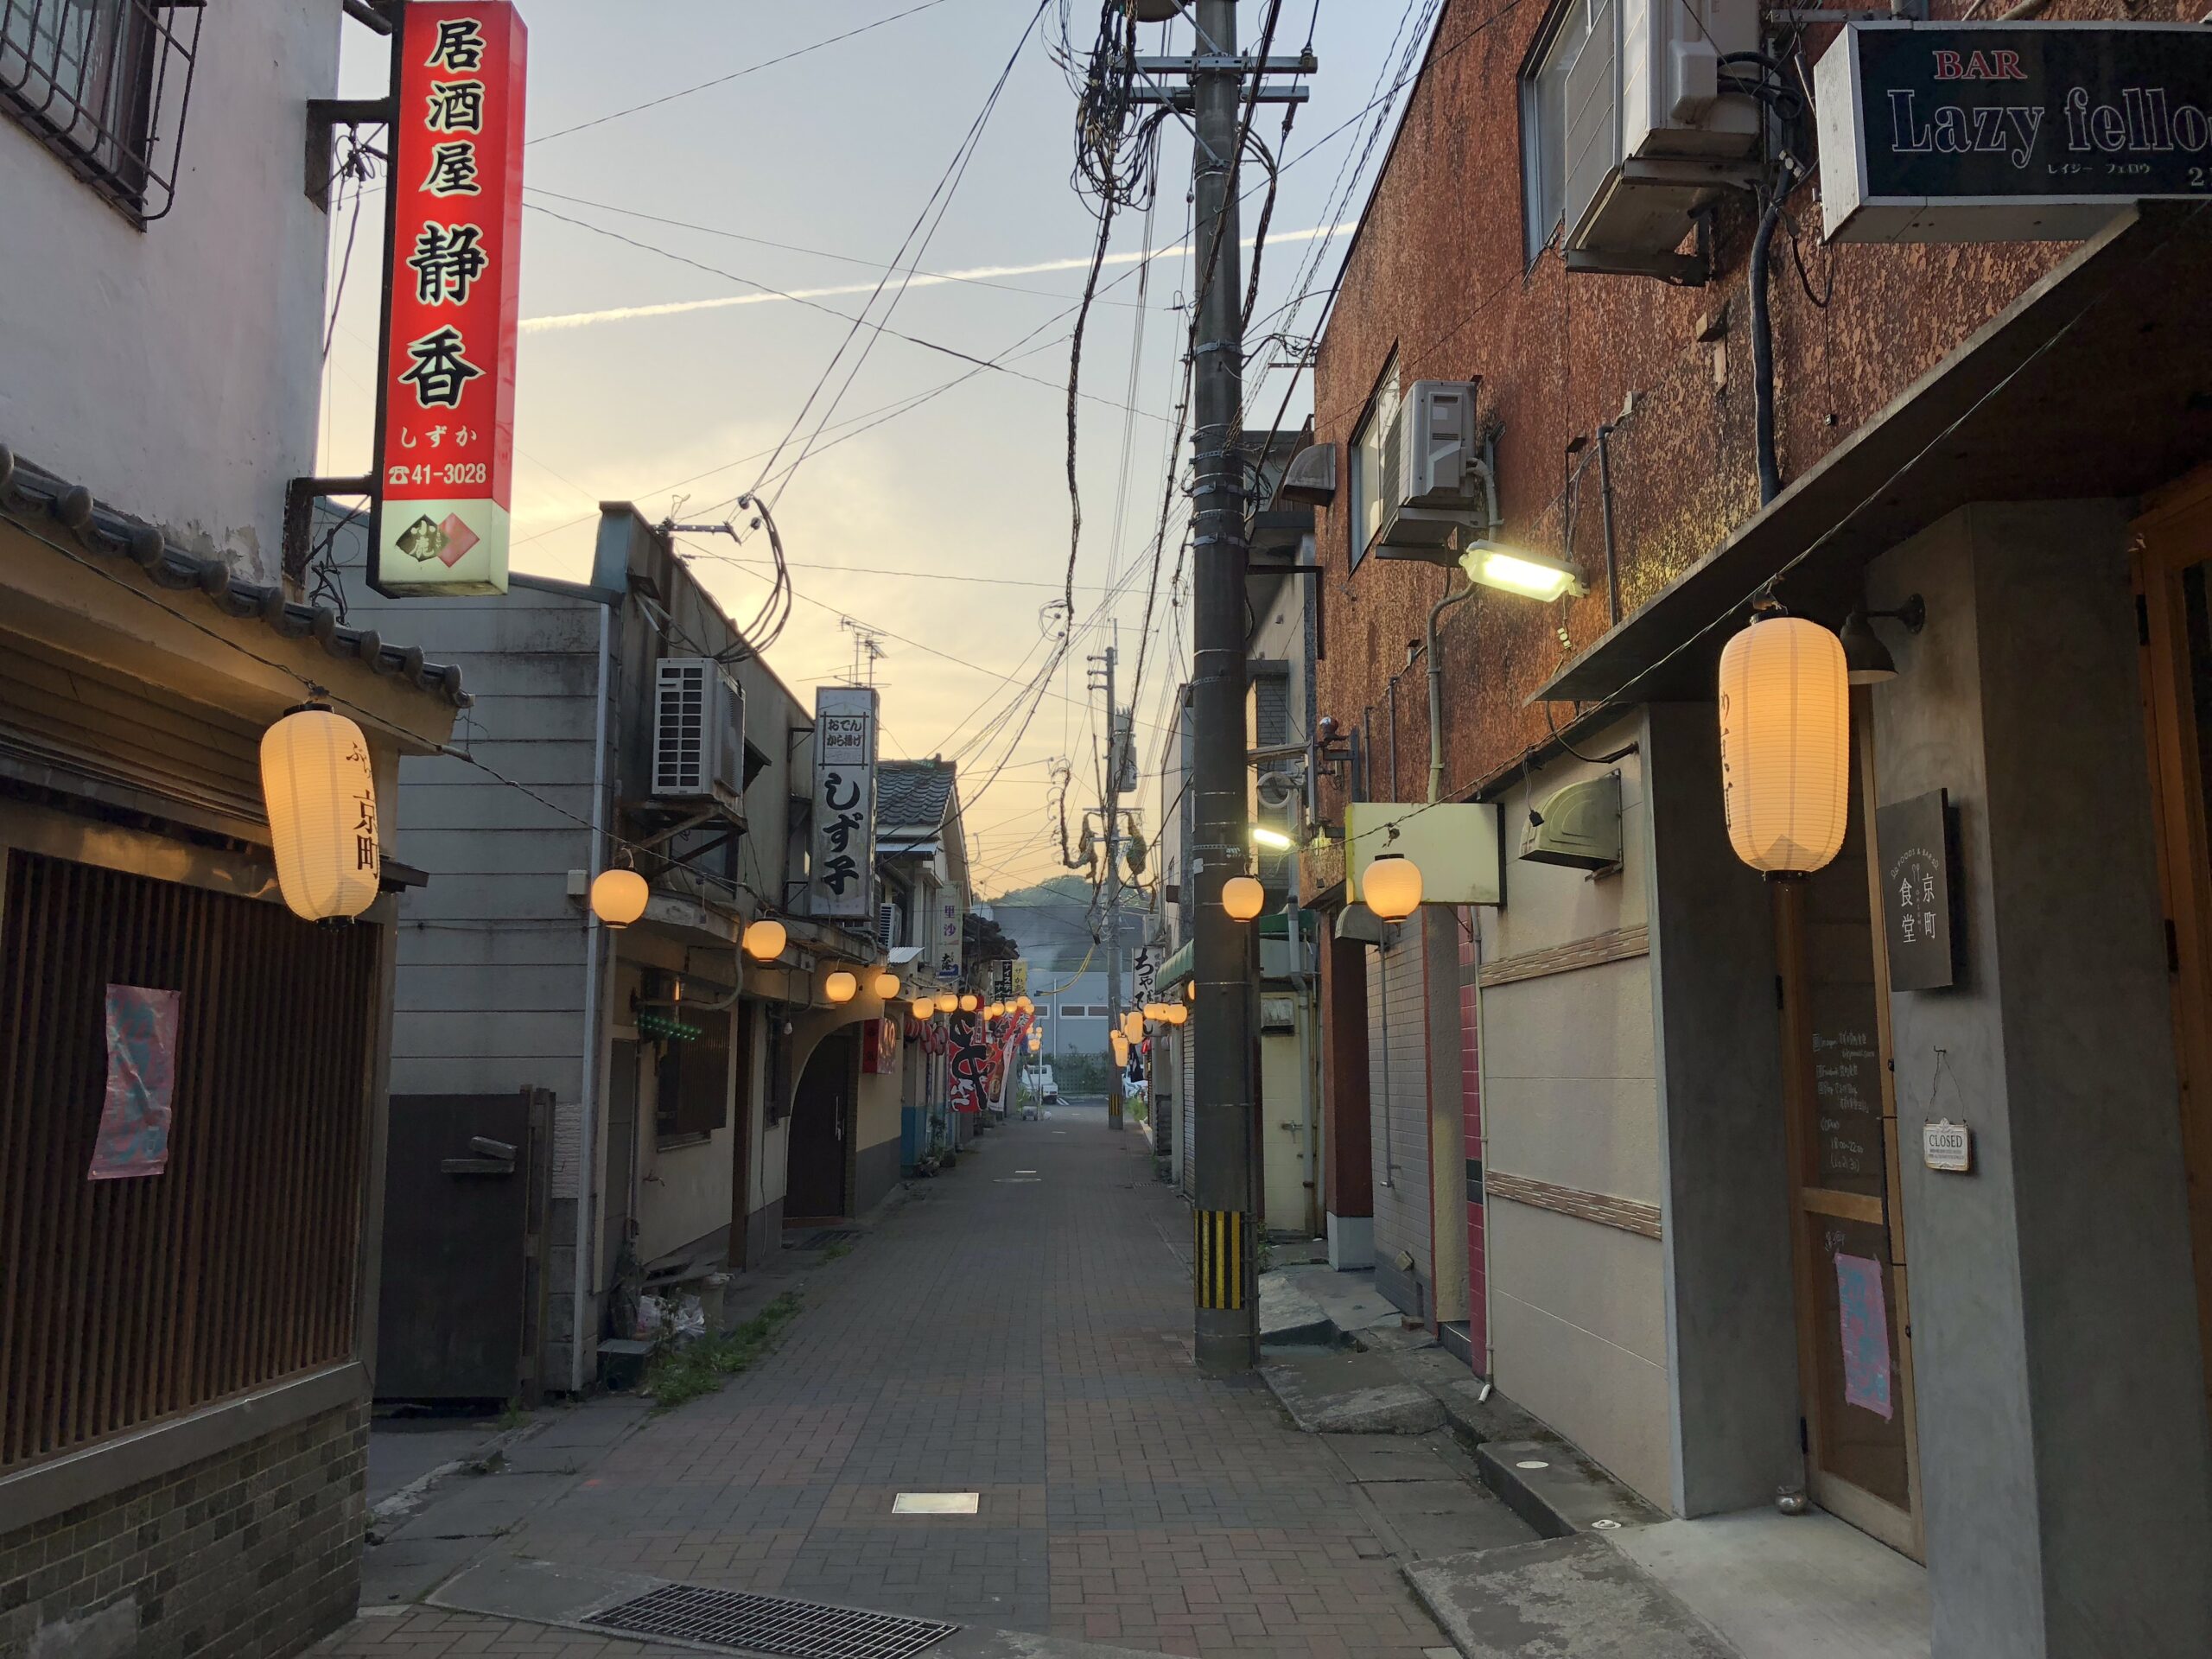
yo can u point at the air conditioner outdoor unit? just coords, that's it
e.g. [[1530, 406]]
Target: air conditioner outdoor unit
[[1433, 489], [887, 926], [698, 733], [1652, 132]]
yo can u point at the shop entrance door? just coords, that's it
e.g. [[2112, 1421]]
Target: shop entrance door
[[1854, 1350], [2173, 573]]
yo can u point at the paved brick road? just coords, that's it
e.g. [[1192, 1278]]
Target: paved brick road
[[1023, 1335]]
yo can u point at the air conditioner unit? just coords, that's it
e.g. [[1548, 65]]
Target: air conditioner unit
[[1652, 131], [887, 926], [698, 733], [1432, 488]]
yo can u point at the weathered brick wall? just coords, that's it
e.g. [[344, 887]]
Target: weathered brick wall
[[1438, 273], [253, 1553]]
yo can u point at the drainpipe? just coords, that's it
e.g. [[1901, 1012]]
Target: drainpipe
[[1762, 352], [588, 1141], [1436, 685], [1606, 501]]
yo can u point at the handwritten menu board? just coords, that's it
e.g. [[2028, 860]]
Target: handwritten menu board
[[1849, 1154]]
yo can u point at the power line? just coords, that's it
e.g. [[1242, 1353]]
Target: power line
[[735, 74]]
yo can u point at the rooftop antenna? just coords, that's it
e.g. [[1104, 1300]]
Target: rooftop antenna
[[867, 647]]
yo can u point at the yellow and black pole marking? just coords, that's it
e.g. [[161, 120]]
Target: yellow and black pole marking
[[1220, 1248]]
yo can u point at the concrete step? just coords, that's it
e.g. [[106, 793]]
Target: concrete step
[[1563, 1598], [1557, 1490]]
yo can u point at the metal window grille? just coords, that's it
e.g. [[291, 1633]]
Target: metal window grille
[[105, 85], [125, 1301]]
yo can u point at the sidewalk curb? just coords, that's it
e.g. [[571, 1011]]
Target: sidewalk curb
[[409, 1499]]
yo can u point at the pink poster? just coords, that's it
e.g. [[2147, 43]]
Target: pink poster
[[1865, 1314], [134, 1137]]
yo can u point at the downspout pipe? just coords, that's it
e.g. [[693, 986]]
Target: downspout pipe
[[1762, 352], [1436, 685], [587, 1138]]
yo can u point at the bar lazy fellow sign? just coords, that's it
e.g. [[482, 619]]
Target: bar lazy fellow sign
[[446, 395], [1981, 132]]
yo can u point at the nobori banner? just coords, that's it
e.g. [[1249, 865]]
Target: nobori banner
[[446, 390], [1985, 132]]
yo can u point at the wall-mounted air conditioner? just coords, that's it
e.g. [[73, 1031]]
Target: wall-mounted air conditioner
[[1652, 132], [698, 733], [887, 926], [1432, 488]]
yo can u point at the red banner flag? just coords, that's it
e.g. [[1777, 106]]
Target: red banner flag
[[446, 392]]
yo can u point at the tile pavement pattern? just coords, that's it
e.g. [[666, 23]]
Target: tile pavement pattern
[[254, 1552], [1028, 1340]]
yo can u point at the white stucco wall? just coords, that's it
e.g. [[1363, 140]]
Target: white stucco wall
[[174, 371]]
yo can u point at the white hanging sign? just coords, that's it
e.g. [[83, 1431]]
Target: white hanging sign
[[842, 872]]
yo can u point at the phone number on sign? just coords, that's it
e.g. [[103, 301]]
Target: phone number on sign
[[455, 472]]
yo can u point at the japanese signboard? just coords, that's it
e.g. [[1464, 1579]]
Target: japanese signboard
[[842, 874], [1914, 836], [944, 941], [446, 391], [2029, 131]]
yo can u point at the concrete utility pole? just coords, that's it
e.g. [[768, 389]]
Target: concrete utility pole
[[1227, 1330], [1110, 807], [1224, 1102]]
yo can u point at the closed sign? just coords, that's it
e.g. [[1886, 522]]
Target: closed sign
[[1947, 1147]]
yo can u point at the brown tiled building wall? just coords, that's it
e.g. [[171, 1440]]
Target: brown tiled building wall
[[254, 1552]]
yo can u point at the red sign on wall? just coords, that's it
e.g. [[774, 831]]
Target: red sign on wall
[[445, 400]]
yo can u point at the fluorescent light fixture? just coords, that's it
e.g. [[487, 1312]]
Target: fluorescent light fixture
[[1272, 838], [1532, 576]]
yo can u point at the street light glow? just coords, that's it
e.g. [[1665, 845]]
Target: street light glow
[[1532, 576], [1273, 840]]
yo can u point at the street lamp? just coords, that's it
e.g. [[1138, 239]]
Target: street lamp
[[617, 897], [1243, 897], [1390, 887], [764, 940], [840, 987], [1273, 840], [1514, 570]]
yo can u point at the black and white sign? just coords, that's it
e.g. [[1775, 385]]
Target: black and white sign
[[842, 870], [1915, 841], [1946, 1146], [1982, 132]]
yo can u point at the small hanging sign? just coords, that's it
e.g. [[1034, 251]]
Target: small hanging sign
[[134, 1137], [1946, 1146], [1915, 840]]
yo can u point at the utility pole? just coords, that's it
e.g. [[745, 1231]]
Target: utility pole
[[1110, 807], [1224, 1103]]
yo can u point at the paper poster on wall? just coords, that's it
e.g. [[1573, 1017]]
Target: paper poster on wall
[[134, 1136], [1863, 1312]]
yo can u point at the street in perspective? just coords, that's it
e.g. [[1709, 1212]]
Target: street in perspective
[[1334, 828]]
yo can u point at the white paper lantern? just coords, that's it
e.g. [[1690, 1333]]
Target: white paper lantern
[[619, 897], [321, 793], [1785, 744]]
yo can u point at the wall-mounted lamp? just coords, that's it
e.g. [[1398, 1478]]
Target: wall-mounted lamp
[[1273, 840], [1866, 657], [946, 1001], [617, 897], [1390, 887], [923, 1007], [885, 985], [1515, 570], [1243, 897], [841, 986]]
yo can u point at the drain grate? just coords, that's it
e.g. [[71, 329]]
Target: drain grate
[[822, 1238], [797, 1630]]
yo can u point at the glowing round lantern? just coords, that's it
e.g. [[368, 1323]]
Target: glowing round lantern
[[1242, 897], [617, 897], [840, 987], [1121, 1049], [1176, 1014], [1189, 990], [322, 797], [1132, 1024], [764, 940], [1785, 744], [968, 1002], [1036, 1041], [946, 1001], [1024, 1004], [1390, 887], [885, 985], [923, 1007]]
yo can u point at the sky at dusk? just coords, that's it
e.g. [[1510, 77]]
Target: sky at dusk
[[654, 368]]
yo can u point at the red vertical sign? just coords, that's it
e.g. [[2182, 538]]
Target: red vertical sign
[[452, 263]]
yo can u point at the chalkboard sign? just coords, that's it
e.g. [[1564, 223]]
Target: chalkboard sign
[[1847, 1108], [1915, 839]]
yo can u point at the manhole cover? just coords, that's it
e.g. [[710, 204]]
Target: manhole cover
[[801, 1630]]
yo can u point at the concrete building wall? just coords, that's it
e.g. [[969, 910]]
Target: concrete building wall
[[174, 370], [2057, 1360], [1571, 1102], [875, 1142]]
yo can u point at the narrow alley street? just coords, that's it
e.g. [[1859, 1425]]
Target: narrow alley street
[[1018, 1328]]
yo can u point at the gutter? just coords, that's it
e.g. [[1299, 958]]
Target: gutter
[[587, 1138]]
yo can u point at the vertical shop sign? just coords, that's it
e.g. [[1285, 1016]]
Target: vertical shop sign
[[1915, 840], [843, 873], [446, 389], [133, 1136]]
